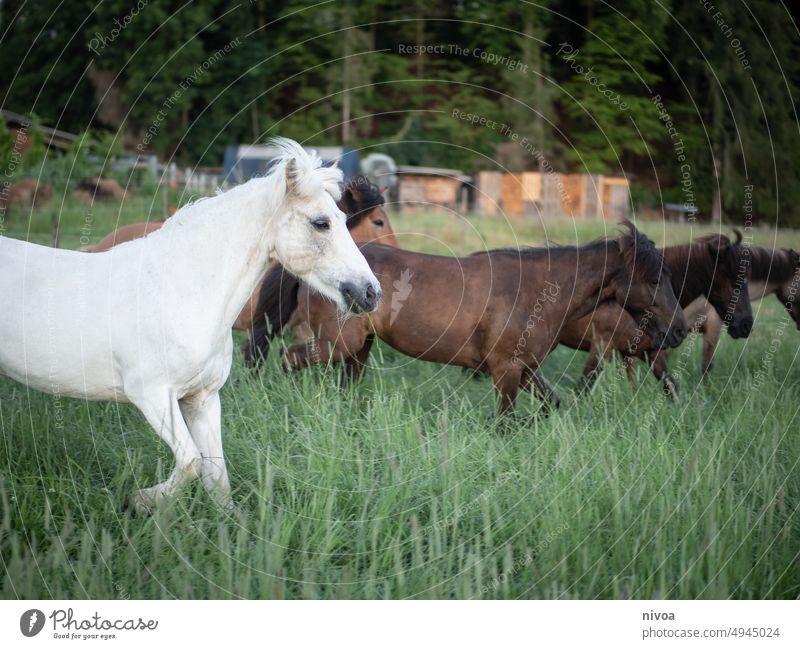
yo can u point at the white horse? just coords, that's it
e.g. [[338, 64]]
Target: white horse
[[149, 322]]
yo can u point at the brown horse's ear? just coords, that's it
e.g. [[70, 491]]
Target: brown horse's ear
[[738, 237], [347, 201]]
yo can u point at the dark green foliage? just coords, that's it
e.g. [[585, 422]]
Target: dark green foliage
[[728, 78]]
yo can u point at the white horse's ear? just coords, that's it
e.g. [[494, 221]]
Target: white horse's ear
[[292, 176]]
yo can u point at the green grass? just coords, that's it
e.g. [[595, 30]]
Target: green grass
[[409, 487]]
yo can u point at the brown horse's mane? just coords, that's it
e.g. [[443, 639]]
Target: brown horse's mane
[[359, 198], [639, 252], [771, 264], [695, 264]]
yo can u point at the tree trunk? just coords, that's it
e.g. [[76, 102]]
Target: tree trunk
[[347, 26], [716, 201]]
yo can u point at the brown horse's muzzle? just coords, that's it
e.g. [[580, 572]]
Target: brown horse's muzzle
[[676, 335], [671, 337], [740, 327]]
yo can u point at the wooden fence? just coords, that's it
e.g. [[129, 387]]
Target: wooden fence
[[591, 196]]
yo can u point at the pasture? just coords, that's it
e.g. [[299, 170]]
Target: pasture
[[408, 486]]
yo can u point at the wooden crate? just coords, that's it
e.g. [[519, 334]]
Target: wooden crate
[[616, 198], [489, 192], [573, 198], [532, 193], [512, 194]]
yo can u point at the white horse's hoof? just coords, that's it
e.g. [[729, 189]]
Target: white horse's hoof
[[223, 500], [137, 504], [143, 501]]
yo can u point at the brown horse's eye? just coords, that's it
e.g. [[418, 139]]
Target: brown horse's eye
[[378, 222]]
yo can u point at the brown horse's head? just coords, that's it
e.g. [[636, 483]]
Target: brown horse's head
[[643, 287], [787, 292], [366, 219], [727, 263]]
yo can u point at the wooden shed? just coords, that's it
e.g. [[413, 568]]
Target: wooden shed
[[427, 187]]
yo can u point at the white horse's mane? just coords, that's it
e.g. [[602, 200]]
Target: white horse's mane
[[311, 172], [310, 176]]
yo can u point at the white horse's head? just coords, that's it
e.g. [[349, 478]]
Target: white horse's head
[[311, 239]]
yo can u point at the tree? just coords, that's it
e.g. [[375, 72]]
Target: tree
[[43, 61], [608, 94]]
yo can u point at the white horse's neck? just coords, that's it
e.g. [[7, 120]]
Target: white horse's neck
[[222, 245]]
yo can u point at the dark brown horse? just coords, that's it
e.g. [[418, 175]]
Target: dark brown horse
[[501, 311], [361, 201], [713, 269], [773, 271]]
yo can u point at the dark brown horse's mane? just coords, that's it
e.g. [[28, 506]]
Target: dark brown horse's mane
[[359, 198], [772, 264], [694, 264], [639, 252]]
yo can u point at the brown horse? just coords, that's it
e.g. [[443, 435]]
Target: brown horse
[[773, 271], [361, 201], [125, 233], [500, 311], [713, 269]]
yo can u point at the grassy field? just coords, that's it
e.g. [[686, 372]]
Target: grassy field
[[407, 486]]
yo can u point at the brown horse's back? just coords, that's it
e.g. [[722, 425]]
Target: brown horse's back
[[464, 311], [440, 309], [123, 234]]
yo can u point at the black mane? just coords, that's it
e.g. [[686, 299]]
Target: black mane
[[694, 265], [771, 264], [359, 198], [639, 252]]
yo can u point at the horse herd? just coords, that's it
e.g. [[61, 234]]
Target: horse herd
[[170, 293], [490, 304]]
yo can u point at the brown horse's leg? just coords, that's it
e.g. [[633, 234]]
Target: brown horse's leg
[[591, 368], [712, 330], [506, 378], [335, 345], [302, 331], [630, 370], [532, 378], [357, 363], [658, 363], [297, 357], [598, 352]]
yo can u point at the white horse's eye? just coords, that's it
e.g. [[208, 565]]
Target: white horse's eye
[[321, 223]]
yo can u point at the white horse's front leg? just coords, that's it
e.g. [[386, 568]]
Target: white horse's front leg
[[164, 415], [203, 415]]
